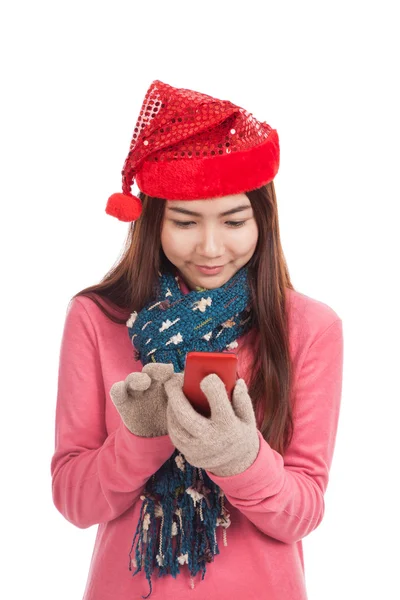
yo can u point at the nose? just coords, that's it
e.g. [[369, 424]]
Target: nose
[[210, 243]]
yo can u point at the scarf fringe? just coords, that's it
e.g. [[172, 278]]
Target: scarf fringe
[[181, 509]]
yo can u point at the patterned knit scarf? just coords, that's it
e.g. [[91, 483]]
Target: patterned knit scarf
[[182, 506]]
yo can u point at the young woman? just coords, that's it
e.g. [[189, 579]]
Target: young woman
[[189, 506]]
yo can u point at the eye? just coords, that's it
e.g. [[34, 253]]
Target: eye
[[182, 224], [236, 223]]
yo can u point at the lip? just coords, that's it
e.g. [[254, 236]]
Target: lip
[[209, 270]]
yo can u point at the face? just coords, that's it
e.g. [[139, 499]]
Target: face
[[218, 232]]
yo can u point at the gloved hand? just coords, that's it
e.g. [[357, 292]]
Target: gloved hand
[[141, 400], [225, 444]]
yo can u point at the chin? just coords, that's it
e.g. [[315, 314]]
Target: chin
[[211, 283]]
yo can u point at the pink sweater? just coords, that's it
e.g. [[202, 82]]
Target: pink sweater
[[99, 467]]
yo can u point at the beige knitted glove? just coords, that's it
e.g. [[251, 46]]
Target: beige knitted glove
[[225, 444], [142, 401]]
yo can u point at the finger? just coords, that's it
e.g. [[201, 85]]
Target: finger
[[118, 394], [241, 402], [217, 396], [177, 378], [184, 413], [137, 382], [159, 371], [178, 434]]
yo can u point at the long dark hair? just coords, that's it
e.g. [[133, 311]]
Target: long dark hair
[[130, 285]]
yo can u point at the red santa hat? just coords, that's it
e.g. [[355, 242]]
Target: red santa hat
[[189, 146]]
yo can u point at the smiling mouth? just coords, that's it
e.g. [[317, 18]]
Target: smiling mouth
[[209, 270]]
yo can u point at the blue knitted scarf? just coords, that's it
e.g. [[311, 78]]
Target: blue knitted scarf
[[181, 505]]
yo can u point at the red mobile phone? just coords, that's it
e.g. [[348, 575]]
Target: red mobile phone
[[200, 364]]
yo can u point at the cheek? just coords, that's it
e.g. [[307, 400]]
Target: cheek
[[172, 243], [246, 243], [166, 240]]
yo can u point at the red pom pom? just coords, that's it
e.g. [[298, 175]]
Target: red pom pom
[[123, 207]]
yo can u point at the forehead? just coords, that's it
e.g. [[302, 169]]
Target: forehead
[[211, 205]]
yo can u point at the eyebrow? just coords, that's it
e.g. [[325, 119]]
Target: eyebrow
[[185, 211]]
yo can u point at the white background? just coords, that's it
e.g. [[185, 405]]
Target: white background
[[326, 76]]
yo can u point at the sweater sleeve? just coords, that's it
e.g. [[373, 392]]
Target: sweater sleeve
[[95, 477], [284, 497]]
